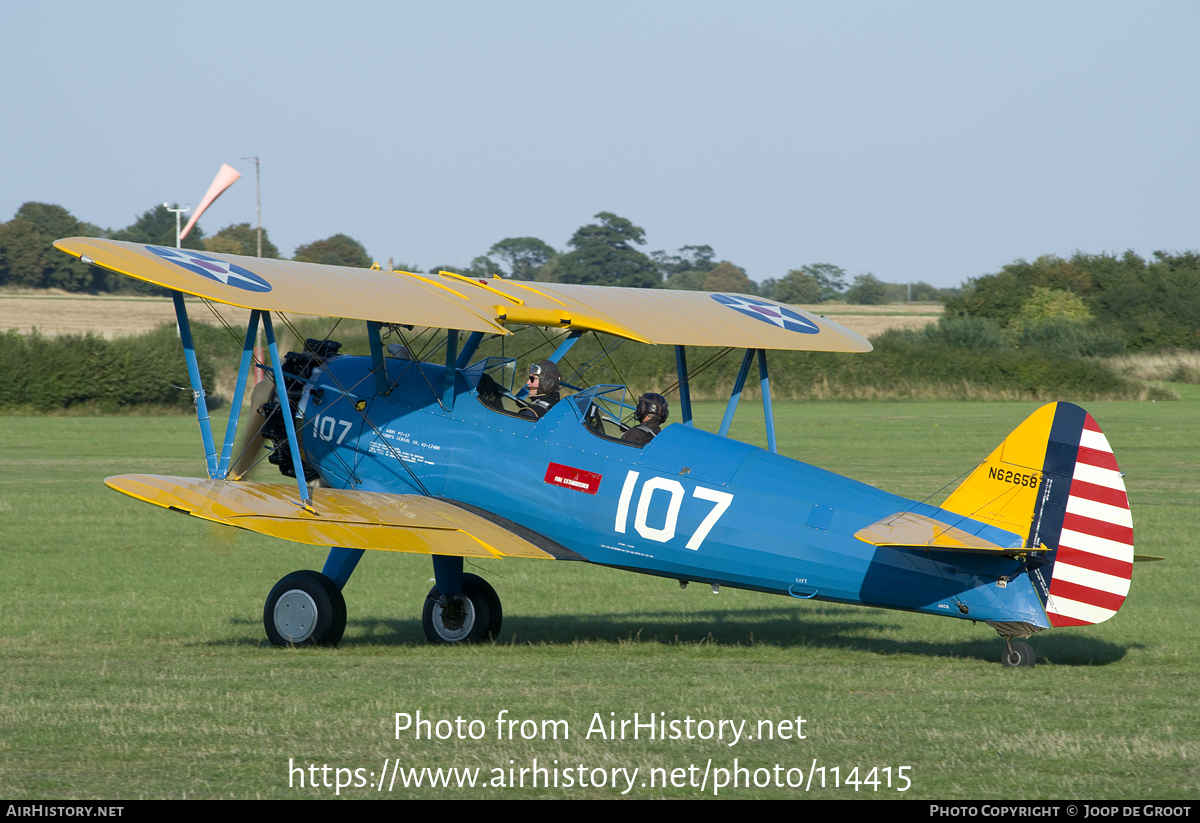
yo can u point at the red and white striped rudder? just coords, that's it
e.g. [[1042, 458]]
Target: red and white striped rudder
[[1094, 562]]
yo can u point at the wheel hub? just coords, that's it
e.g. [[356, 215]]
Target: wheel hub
[[295, 616], [453, 618]]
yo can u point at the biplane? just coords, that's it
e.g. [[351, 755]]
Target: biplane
[[432, 455]]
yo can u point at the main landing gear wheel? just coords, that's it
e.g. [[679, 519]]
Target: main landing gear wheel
[[305, 608], [1018, 654], [471, 616]]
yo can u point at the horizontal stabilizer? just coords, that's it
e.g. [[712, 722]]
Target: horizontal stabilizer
[[916, 531], [350, 519]]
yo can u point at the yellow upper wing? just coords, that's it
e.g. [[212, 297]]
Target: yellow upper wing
[[660, 316]]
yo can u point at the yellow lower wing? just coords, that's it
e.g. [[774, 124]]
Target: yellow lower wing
[[350, 519]]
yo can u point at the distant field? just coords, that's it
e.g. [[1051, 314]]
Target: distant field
[[54, 313], [134, 662]]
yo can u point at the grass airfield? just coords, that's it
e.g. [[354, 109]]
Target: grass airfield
[[133, 662]]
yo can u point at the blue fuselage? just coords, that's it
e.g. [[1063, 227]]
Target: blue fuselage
[[688, 505]]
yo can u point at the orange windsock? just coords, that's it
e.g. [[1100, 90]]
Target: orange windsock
[[225, 178]]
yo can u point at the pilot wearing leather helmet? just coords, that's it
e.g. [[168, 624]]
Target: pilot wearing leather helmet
[[543, 387], [652, 414]]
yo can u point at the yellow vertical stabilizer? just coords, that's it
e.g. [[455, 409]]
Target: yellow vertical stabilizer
[[1003, 490]]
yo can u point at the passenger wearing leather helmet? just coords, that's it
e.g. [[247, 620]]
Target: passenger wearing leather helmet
[[543, 389], [652, 413]]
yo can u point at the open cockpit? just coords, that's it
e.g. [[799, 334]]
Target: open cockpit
[[603, 410]]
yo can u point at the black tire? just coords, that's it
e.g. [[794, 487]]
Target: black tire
[[305, 608], [470, 617], [1021, 655]]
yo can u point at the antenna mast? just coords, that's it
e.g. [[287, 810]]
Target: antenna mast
[[258, 191]]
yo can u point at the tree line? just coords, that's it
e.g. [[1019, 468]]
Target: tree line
[[604, 254], [601, 253], [1090, 304], [1103, 302], [28, 258]]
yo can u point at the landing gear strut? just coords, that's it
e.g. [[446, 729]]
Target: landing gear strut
[[460, 608]]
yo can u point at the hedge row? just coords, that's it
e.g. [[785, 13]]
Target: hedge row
[[52, 373]]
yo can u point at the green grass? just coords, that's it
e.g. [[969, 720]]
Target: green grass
[[134, 662]]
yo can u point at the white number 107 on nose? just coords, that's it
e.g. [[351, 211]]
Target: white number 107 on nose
[[674, 489]]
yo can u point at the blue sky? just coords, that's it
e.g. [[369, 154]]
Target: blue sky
[[918, 141]]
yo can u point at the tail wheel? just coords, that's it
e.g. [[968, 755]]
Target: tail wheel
[[305, 608], [468, 617], [1018, 654]]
